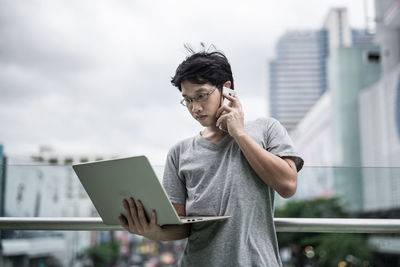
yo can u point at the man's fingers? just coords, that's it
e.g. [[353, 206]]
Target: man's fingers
[[153, 220], [129, 218], [128, 212], [136, 221], [124, 222], [141, 215], [133, 209], [221, 119], [222, 109], [230, 98], [233, 99]]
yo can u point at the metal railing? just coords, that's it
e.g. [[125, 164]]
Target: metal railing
[[311, 225]]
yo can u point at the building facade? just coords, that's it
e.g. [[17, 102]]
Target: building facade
[[364, 96], [298, 74], [380, 116], [44, 189]]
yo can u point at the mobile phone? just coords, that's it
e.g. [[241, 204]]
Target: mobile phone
[[228, 91], [225, 101]]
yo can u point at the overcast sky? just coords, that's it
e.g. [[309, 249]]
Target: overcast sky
[[93, 77]]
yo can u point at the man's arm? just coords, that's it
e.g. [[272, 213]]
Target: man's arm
[[175, 232], [278, 173], [136, 222]]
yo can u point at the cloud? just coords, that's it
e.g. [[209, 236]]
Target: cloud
[[93, 76]]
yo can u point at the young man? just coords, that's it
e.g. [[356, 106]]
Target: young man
[[218, 172]]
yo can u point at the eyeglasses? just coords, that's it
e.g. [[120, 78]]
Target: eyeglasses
[[199, 98]]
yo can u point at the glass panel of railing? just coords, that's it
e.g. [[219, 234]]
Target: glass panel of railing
[[357, 192], [33, 190], [341, 192], [47, 191], [360, 192]]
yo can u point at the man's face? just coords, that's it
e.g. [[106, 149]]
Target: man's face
[[203, 111]]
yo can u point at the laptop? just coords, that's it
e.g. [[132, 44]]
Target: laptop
[[108, 182]]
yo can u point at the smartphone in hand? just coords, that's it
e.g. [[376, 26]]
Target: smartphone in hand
[[228, 91], [225, 101]]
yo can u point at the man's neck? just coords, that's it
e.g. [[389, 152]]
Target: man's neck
[[213, 134]]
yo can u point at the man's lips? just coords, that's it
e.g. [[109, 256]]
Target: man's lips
[[201, 117]]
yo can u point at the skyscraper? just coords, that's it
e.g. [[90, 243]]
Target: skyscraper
[[298, 75]]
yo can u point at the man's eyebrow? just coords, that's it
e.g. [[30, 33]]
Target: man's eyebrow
[[197, 91]]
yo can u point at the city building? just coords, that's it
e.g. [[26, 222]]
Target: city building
[[380, 129], [360, 116], [39, 186], [338, 32], [45, 185], [350, 70], [328, 137], [298, 74]]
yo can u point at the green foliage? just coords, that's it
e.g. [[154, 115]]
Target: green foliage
[[104, 254], [314, 208], [330, 249], [324, 249], [53, 160], [68, 161]]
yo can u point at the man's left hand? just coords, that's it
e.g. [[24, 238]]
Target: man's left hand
[[232, 116]]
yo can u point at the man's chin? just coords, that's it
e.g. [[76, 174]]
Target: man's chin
[[204, 124], [207, 123]]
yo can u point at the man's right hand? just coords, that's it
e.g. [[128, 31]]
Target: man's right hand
[[136, 222]]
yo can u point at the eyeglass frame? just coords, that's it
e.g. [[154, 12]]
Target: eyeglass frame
[[195, 99]]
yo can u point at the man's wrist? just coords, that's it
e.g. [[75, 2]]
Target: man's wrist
[[239, 135], [155, 236]]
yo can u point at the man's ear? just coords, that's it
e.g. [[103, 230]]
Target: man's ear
[[228, 84]]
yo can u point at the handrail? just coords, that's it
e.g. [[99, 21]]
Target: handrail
[[310, 225], [334, 225]]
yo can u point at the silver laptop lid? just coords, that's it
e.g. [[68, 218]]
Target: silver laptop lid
[[108, 182]]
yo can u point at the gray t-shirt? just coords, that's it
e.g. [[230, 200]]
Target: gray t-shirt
[[216, 179]]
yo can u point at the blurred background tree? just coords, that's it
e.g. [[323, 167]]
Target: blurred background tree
[[104, 254], [330, 249]]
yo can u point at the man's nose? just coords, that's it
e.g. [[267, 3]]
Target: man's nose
[[196, 106]]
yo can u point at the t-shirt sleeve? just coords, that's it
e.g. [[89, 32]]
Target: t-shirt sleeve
[[280, 144], [173, 184]]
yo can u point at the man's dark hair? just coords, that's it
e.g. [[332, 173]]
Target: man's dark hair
[[204, 67]]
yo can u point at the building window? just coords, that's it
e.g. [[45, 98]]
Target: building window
[[373, 57]]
